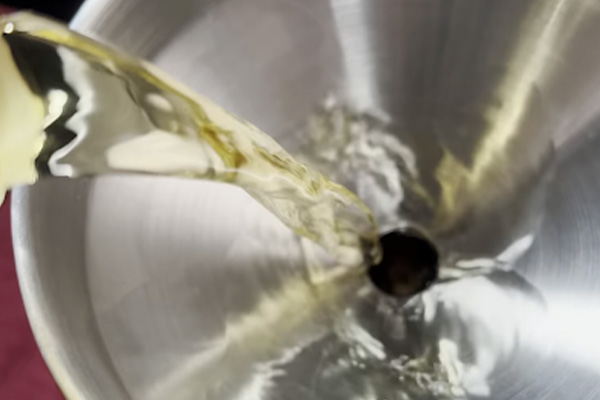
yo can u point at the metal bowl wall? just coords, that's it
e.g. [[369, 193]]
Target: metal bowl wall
[[151, 288]]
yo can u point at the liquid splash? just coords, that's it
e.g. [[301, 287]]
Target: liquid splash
[[85, 109]]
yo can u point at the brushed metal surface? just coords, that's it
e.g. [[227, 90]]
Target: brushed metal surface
[[147, 288]]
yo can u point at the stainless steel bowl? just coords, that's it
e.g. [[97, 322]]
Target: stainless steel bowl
[[152, 288]]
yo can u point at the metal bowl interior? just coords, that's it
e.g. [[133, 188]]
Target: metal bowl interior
[[144, 288]]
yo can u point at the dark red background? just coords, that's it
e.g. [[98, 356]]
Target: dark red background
[[23, 374]]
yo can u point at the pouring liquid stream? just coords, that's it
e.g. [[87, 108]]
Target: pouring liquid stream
[[70, 107]]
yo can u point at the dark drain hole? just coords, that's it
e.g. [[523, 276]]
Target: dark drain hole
[[409, 264]]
